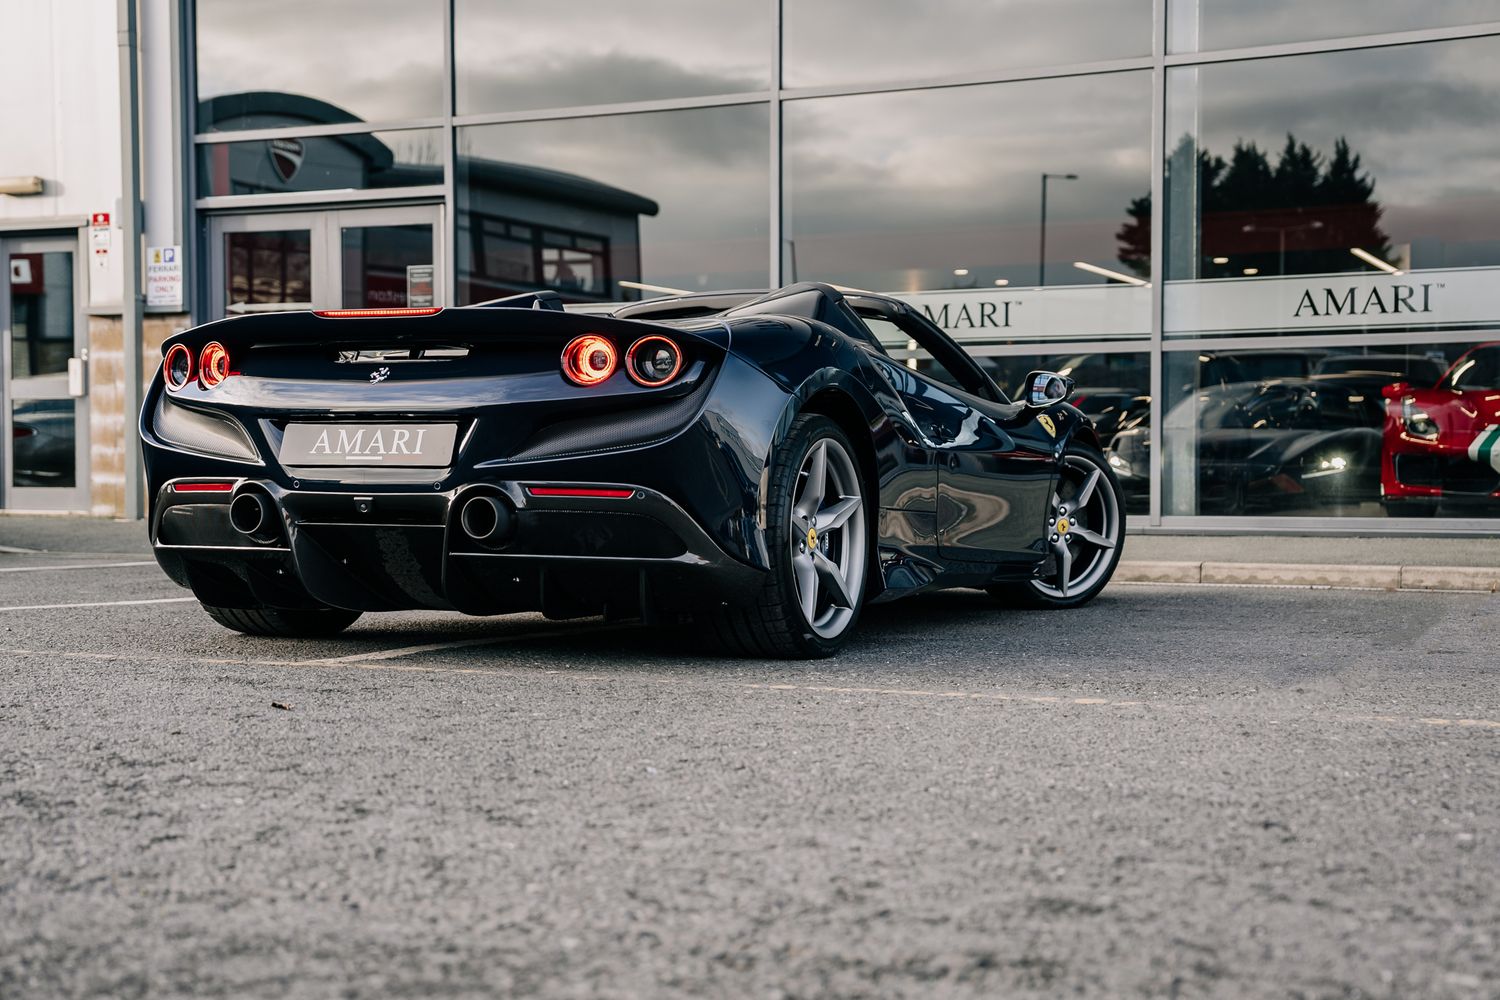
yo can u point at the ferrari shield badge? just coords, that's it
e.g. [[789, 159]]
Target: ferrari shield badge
[[1485, 448], [1046, 422]]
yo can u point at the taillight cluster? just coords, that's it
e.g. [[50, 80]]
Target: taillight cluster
[[651, 361], [211, 366]]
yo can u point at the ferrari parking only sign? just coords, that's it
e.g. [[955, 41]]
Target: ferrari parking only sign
[[164, 276], [1486, 447], [101, 239]]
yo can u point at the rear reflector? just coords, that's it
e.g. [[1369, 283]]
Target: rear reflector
[[593, 492], [201, 487], [357, 313]]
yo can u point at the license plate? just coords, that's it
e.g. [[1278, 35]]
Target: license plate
[[428, 445]]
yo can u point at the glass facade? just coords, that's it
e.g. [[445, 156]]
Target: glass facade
[[1262, 239], [675, 199]]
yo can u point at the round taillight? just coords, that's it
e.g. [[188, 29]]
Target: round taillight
[[653, 360], [177, 367], [589, 360], [213, 364]]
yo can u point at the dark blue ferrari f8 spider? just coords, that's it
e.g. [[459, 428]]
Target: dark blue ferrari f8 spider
[[757, 464]]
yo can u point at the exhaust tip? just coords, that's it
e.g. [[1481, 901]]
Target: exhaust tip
[[486, 519], [250, 514]]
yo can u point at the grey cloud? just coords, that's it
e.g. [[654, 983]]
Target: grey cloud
[[563, 79], [847, 41]]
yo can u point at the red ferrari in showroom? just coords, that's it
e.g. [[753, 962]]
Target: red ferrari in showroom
[[1442, 445]]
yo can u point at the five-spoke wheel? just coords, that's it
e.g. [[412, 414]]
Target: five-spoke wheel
[[827, 538], [818, 540], [1085, 532]]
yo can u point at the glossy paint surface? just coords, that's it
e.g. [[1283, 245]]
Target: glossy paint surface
[[623, 495]]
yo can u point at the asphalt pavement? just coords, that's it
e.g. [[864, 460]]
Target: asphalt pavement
[[1174, 792]]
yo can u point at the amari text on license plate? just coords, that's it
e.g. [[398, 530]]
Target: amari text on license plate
[[428, 445]]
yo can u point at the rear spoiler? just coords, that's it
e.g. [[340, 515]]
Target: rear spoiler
[[526, 300], [355, 329]]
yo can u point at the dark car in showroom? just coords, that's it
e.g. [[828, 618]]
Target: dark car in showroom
[[755, 464], [1294, 444], [42, 433]]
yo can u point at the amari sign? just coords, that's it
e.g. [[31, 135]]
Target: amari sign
[[1068, 312], [1452, 298]]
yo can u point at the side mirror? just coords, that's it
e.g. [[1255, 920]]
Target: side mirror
[[1395, 390], [1046, 388]]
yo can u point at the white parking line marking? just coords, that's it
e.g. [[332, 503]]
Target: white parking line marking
[[362, 662], [98, 604], [46, 569]]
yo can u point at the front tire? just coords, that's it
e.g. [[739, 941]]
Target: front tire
[[1085, 533], [818, 538], [285, 623]]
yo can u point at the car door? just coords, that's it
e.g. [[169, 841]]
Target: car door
[[995, 487], [996, 466]]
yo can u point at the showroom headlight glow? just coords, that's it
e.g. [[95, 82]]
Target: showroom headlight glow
[[1327, 467], [1418, 423]]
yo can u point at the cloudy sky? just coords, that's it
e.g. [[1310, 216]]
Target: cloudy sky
[[861, 41], [1218, 24], [1422, 117], [378, 59], [708, 169], [514, 56], [951, 178]]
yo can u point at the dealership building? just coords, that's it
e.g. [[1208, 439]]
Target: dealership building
[[1263, 239]]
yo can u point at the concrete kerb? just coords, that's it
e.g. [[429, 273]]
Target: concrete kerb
[[1446, 578]]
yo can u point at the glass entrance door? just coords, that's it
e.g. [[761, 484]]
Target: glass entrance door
[[338, 259], [43, 407]]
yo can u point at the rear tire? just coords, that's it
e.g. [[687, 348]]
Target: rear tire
[[1088, 498], [284, 623], [818, 538]]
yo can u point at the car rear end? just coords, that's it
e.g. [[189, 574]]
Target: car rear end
[[479, 460]]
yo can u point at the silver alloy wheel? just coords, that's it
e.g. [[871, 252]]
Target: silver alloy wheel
[[1082, 528], [827, 538]]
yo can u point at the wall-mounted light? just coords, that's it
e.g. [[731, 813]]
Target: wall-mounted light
[[1221, 260], [1374, 261], [1251, 271], [960, 272], [20, 185], [1105, 272], [1001, 282]]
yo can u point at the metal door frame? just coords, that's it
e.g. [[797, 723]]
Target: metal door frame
[[47, 498], [325, 244]]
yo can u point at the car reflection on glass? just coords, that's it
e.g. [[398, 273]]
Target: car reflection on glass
[[1442, 439], [1111, 409], [42, 432], [1280, 445], [1383, 369]]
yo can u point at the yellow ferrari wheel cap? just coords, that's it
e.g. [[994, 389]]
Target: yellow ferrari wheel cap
[[1063, 526]]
